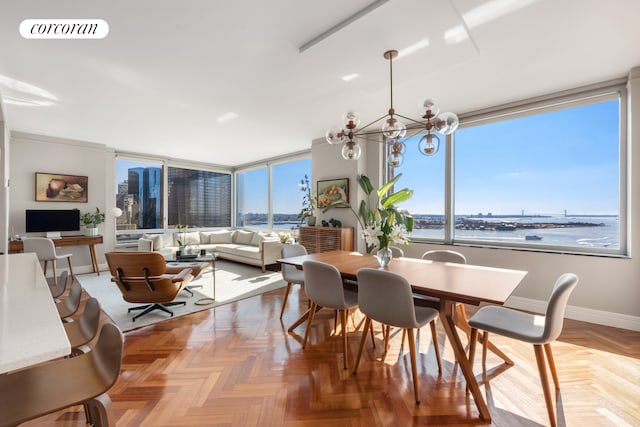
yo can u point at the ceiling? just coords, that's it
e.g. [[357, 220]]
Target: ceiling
[[169, 69]]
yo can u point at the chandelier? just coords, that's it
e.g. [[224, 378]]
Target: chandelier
[[393, 131]]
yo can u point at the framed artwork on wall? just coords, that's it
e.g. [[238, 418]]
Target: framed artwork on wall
[[333, 191], [53, 187]]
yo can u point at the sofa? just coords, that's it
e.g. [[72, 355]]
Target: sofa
[[245, 246]]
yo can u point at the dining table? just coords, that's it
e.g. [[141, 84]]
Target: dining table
[[31, 331], [446, 283]]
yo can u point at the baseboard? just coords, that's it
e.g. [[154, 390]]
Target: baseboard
[[599, 317]]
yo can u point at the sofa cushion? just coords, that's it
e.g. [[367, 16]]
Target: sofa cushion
[[242, 237], [239, 251], [159, 240], [216, 237], [263, 237], [189, 238]]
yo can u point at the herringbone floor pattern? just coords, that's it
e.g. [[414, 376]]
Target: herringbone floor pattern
[[237, 366]]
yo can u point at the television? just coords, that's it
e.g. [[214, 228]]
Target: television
[[43, 220]]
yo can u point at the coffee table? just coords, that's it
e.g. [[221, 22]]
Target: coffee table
[[197, 265]]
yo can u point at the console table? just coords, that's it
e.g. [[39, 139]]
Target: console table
[[16, 246], [323, 239]]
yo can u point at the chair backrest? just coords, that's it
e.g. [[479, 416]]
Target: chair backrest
[[554, 313], [386, 297], [71, 303], [445, 256], [63, 280], [323, 284], [141, 279], [289, 272], [89, 320], [396, 251], [43, 247]]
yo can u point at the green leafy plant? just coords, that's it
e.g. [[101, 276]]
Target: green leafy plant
[[381, 220], [92, 219], [182, 229], [308, 201]]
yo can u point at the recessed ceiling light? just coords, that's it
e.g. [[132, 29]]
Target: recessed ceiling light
[[349, 77], [227, 117]]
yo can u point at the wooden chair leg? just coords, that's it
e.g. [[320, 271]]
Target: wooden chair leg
[[55, 272], [485, 346], [284, 300], [542, 370], [473, 339], [386, 331], [70, 267], [373, 338], [414, 367], [552, 365], [436, 346], [343, 318], [367, 325], [312, 314]]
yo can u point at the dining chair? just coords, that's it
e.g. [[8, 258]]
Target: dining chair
[[324, 288], [46, 251], [85, 328], [60, 286], [531, 328], [442, 255], [387, 297], [291, 274], [396, 252], [49, 387], [69, 305]]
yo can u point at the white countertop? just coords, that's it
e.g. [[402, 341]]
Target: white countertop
[[30, 328]]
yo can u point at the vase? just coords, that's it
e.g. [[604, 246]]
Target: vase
[[384, 256], [90, 231]]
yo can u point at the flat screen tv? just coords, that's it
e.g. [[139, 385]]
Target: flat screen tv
[[43, 220]]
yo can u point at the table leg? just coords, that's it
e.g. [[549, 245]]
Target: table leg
[[302, 319], [491, 347], [446, 316], [94, 259]]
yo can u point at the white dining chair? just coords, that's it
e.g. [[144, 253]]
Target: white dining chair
[[324, 287], [45, 250], [387, 297], [291, 274], [396, 252], [531, 328]]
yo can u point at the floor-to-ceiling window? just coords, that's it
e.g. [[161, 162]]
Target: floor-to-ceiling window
[[545, 175]]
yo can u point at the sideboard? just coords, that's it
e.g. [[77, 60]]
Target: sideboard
[[323, 239]]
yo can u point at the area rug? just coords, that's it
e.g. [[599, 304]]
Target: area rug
[[234, 282]]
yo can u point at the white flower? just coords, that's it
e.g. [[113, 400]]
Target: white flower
[[398, 234], [370, 235]]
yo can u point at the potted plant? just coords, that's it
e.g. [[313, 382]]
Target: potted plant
[[91, 220], [308, 203]]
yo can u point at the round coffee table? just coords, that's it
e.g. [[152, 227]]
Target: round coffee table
[[198, 264]]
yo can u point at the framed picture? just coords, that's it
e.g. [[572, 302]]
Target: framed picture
[[53, 187], [332, 191]]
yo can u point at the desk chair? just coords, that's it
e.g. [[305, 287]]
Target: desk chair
[[142, 278], [49, 387], [387, 297], [535, 329], [291, 274], [324, 287], [46, 251]]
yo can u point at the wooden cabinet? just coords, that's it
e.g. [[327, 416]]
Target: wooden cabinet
[[323, 239]]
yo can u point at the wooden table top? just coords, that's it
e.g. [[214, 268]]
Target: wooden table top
[[471, 284]]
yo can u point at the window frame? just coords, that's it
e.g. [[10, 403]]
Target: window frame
[[614, 89]]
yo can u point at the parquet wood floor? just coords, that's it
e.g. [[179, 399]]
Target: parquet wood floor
[[236, 365]]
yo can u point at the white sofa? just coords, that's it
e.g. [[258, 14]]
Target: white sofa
[[249, 247]]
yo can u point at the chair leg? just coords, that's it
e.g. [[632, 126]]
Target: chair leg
[[343, 317], [552, 365], [373, 338], [542, 369], [463, 317], [473, 339], [284, 300], [485, 346], [55, 272], [414, 367], [70, 267], [386, 331], [99, 411], [436, 345], [312, 314], [367, 325]]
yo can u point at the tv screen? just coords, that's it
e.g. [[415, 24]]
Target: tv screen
[[43, 220]]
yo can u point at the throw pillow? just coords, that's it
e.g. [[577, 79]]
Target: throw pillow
[[219, 236], [190, 238], [243, 237], [156, 239]]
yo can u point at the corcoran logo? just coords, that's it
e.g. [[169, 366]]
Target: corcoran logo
[[64, 29]]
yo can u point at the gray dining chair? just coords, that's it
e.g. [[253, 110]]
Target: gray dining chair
[[531, 328], [324, 287], [443, 255], [387, 297], [396, 251], [68, 306], [59, 286], [291, 274], [45, 250], [85, 328]]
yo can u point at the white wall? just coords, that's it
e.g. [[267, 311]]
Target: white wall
[[30, 154], [609, 288]]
